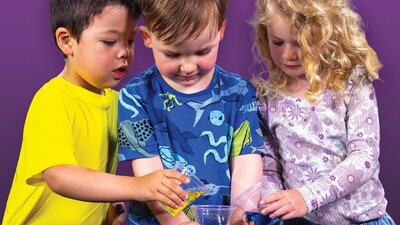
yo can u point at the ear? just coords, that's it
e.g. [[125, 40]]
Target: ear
[[146, 36], [222, 30], [64, 40]]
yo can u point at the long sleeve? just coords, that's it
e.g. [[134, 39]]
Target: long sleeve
[[272, 167], [329, 150], [362, 152]]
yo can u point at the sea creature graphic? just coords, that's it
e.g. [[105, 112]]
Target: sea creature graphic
[[228, 94], [221, 140], [216, 117], [128, 106], [212, 189], [175, 134], [241, 138], [169, 158], [164, 126], [199, 106], [135, 135], [169, 101]]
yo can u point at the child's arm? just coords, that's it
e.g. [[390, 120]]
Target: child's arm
[[246, 171], [272, 167], [292, 202], [359, 165], [88, 185], [144, 166]]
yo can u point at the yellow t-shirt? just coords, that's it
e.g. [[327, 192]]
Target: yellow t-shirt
[[65, 124]]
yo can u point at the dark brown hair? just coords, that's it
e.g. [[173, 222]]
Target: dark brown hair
[[76, 15]]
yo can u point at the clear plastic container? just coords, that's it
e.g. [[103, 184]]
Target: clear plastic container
[[195, 189]]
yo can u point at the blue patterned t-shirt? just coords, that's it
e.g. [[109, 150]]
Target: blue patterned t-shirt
[[201, 130]]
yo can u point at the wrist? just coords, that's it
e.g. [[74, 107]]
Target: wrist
[[309, 198]]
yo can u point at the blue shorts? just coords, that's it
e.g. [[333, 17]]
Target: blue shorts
[[384, 220]]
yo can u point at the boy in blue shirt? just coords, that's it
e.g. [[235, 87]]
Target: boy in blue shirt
[[187, 109]]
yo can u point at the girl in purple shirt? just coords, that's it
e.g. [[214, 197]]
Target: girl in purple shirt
[[319, 113]]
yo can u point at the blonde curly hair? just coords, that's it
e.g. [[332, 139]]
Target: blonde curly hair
[[330, 35]]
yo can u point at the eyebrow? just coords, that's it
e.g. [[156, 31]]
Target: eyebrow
[[167, 50], [273, 36], [113, 31]]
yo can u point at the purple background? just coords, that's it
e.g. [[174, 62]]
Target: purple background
[[29, 58]]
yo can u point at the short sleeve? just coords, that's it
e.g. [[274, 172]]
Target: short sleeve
[[136, 136], [247, 135], [47, 139]]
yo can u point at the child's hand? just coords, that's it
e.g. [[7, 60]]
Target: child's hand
[[116, 214], [286, 204], [163, 186]]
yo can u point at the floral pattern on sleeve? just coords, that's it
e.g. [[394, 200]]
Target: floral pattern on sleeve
[[329, 151]]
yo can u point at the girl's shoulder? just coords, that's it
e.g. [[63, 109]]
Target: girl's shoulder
[[264, 88], [359, 76]]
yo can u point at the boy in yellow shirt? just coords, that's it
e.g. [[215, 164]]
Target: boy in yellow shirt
[[64, 173]]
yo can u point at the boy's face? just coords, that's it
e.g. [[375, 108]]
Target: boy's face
[[187, 67], [104, 52]]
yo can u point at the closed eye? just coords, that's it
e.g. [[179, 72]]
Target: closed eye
[[109, 43], [278, 43], [172, 55], [203, 52]]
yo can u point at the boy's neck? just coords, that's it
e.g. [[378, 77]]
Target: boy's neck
[[78, 81]]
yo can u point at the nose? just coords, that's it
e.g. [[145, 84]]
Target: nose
[[290, 53], [126, 51], [188, 67]]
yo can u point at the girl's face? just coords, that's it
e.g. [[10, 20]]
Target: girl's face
[[284, 48]]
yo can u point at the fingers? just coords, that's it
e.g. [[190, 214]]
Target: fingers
[[164, 186], [280, 210], [272, 198], [170, 202], [288, 204], [270, 202], [290, 215], [171, 193], [173, 174], [174, 187]]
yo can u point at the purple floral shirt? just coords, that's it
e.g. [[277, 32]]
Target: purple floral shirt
[[328, 151]]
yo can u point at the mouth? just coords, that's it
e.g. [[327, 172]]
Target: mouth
[[292, 67], [188, 77], [120, 72]]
